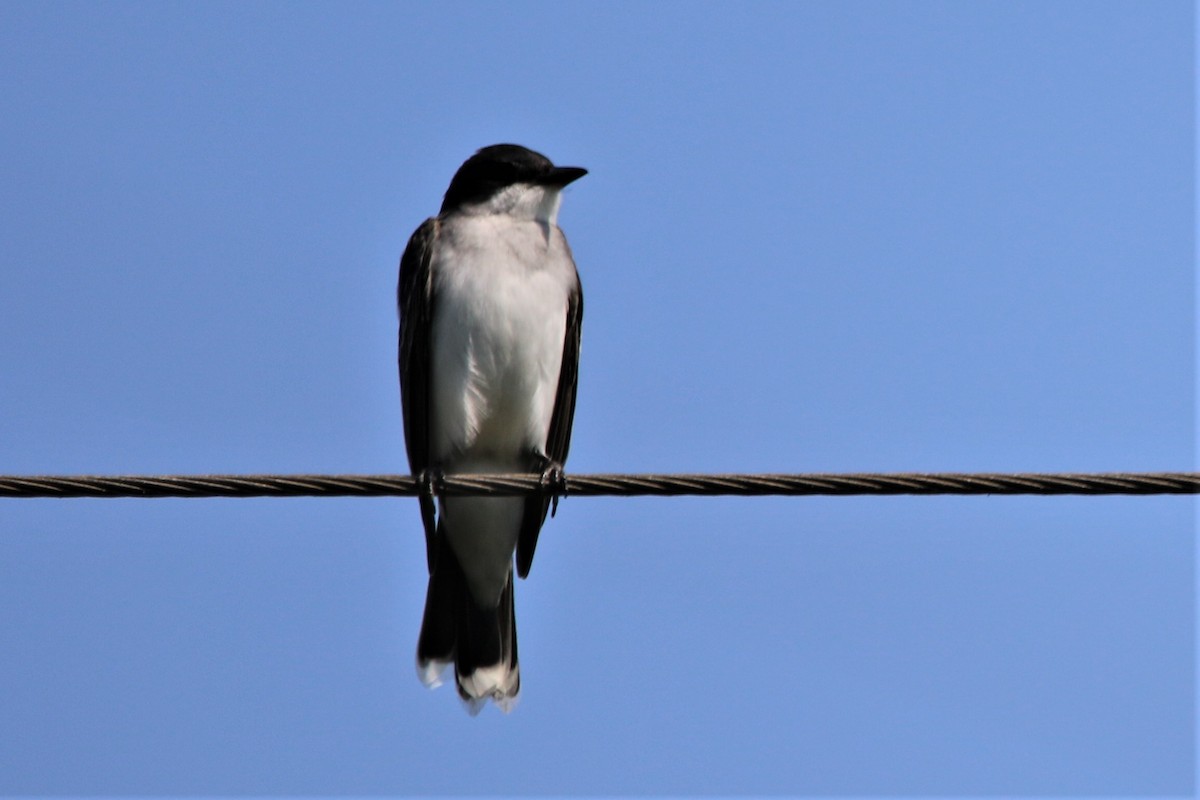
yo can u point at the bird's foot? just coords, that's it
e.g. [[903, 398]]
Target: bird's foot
[[430, 483], [554, 482]]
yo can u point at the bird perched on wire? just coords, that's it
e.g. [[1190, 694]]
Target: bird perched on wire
[[490, 314]]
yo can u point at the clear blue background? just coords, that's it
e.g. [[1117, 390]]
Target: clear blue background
[[843, 236]]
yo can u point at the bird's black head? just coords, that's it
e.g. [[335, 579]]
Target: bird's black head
[[500, 165]]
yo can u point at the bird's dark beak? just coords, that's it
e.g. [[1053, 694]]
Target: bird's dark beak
[[561, 176]]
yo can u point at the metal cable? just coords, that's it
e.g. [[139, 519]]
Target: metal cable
[[895, 483]]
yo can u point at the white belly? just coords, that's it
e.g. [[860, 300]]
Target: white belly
[[497, 346]]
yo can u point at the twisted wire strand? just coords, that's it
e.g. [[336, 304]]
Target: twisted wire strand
[[892, 483]]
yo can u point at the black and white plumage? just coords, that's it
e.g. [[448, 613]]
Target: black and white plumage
[[490, 313]]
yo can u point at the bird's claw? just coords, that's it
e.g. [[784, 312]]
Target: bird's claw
[[430, 483], [553, 483]]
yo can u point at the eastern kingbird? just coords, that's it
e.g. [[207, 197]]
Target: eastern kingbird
[[490, 313]]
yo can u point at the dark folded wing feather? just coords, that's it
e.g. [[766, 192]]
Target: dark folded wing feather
[[415, 299], [558, 442]]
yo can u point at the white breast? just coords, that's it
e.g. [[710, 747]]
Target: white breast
[[502, 287]]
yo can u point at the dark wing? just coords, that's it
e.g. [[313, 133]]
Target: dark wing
[[558, 442], [415, 300]]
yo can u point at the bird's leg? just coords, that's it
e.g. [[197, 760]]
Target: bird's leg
[[553, 480]]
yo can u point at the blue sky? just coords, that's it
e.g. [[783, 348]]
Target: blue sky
[[819, 236]]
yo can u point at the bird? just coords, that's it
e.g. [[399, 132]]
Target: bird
[[491, 308]]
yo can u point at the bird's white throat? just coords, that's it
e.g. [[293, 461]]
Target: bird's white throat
[[526, 201]]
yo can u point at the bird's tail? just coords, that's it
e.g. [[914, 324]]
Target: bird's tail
[[481, 642]]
